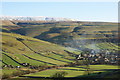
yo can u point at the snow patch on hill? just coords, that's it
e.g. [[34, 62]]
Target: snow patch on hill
[[32, 18]]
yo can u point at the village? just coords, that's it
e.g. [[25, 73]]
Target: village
[[101, 57], [93, 57]]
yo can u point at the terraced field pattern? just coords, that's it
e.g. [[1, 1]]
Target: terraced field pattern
[[55, 44], [74, 71]]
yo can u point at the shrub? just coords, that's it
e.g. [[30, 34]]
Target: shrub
[[27, 71], [59, 74], [32, 71], [17, 73], [5, 76], [10, 43], [21, 72]]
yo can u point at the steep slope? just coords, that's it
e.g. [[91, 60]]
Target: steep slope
[[68, 33], [9, 24], [17, 49], [75, 34]]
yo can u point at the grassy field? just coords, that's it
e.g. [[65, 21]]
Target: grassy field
[[42, 44], [21, 59], [8, 71], [74, 71], [0, 71], [38, 52], [9, 61], [63, 32], [31, 50], [103, 45]]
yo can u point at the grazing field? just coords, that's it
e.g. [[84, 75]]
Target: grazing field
[[74, 71], [50, 47], [64, 33], [103, 45], [32, 51], [8, 71], [9, 61]]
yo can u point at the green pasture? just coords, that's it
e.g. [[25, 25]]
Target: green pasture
[[9, 61], [8, 71], [74, 71], [16, 50]]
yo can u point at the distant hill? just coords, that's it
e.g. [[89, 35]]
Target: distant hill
[[32, 18], [75, 34], [30, 43]]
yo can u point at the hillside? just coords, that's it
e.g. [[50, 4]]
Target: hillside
[[17, 49], [70, 33], [79, 35], [45, 47]]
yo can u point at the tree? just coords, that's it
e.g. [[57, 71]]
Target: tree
[[59, 74], [87, 67], [5, 76]]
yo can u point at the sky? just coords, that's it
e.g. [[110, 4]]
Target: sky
[[82, 11]]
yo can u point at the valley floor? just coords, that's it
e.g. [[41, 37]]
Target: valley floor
[[73, 72]]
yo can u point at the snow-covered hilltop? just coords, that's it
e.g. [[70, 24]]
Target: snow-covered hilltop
[[31, 18]]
